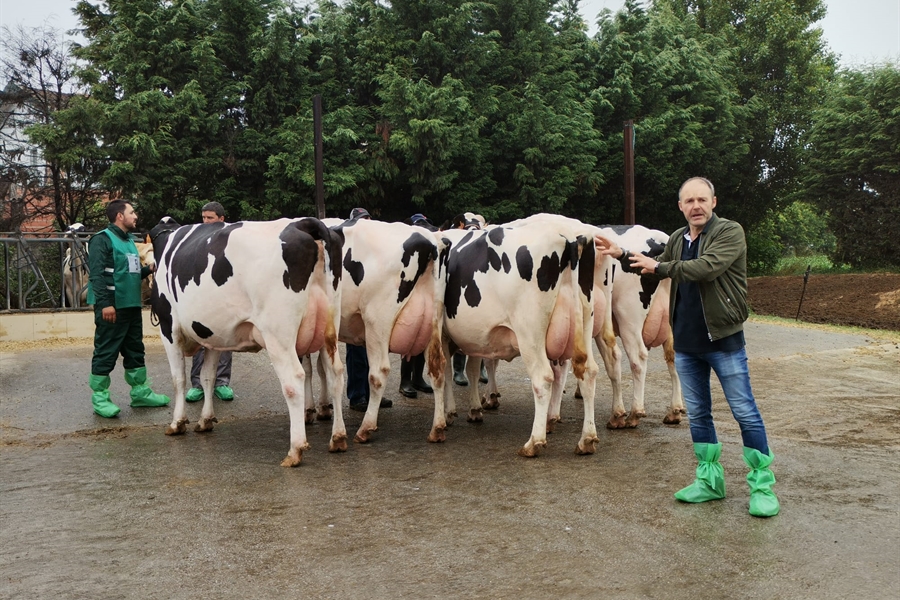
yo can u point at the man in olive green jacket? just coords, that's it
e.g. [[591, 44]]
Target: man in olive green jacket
[[707, 262], [114, 288]]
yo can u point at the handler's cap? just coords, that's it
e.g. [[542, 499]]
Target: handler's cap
[[418, 217], [360, 213]]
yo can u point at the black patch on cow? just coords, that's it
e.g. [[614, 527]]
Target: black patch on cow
[[656, 249], [548, 272], [201, 330], [493, 259], [299, 253], [496, 236], [586, 269], [504, 261], [189, 250], [649, 283], [317, 230], [426, 252], [619, 229], [524, 263], [160, 306], [444, 257], [355, 269], [465, 260]]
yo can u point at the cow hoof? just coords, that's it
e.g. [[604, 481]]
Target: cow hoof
[[309, 416], [531, 450], [490, 403], [551, 423], [673, 417], [363, 436], [177, 428], [616, 422], [633, 421], [451, 416], [475, 416], [587, 446], [437, 435], [325, 413], [292, 461], [338, 443], [204, 425]]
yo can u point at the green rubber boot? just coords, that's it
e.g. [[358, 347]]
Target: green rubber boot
[[224, 392], [763, 501], [100, 398], [141, 394], [710, 482]]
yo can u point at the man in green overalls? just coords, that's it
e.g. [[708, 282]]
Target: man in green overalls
[[115, 291]]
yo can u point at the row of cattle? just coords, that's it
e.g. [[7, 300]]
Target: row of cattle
[[533, 288]]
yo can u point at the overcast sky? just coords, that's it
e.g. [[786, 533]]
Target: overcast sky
[[860, 31]]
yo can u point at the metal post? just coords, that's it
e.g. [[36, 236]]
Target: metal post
[[628, 134], [317, 131]]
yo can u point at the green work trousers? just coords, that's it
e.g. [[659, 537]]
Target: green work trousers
[[125, 337]]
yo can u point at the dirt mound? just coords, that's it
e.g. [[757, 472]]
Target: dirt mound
[[861, 300]]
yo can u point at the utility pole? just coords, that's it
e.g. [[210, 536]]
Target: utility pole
[[317, 133], [628, 134]]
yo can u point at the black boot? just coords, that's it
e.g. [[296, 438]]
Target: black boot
[[459, 369], [406, 376], [418, 381], [483, 376]]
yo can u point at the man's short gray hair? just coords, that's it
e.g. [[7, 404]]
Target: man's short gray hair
[[214, 207], [704, 180]]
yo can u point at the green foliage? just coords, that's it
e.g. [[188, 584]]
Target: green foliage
[[803, 230], [854, 169], [816, 263], [763, 248]]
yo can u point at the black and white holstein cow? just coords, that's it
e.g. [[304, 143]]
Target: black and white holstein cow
[[638, 314], [391, 301], [244, 287], [526, 292]]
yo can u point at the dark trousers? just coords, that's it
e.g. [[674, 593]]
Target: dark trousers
[[125, 337], [223, 369], [357, 375]]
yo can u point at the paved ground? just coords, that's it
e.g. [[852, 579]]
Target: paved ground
[[93, 508]]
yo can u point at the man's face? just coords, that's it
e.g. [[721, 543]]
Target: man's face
[[128, 218], [209, 216], [696, 203]]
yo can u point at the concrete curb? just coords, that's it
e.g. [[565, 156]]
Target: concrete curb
[[28, 327]]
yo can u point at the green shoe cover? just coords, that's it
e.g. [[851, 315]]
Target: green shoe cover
[[194, 395], [710, 482], [763, 501], [224, 392], [100, 398], [141, 394]]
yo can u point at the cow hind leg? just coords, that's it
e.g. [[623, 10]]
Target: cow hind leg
[[676, 406], [560, 372], [176, 367], [379, 369], [324, 406], [292, 379], [473, 369], [207, 381], [490, 400], [541, 374]]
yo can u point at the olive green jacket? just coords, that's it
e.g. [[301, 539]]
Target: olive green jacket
[[720, 270]]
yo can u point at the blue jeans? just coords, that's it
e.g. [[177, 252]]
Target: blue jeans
[[734, 375]]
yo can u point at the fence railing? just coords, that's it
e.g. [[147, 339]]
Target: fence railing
[[41, 271]]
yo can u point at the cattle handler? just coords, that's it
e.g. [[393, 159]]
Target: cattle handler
[[212, 212], [707, 262], [114, 289]]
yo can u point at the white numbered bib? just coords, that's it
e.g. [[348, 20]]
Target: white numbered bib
[[134, 263]]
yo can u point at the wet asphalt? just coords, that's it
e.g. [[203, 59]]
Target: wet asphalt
[[113, 508]]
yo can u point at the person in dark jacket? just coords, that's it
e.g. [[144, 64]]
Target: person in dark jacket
[[114, 288], [707, 262], [212, 212]]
